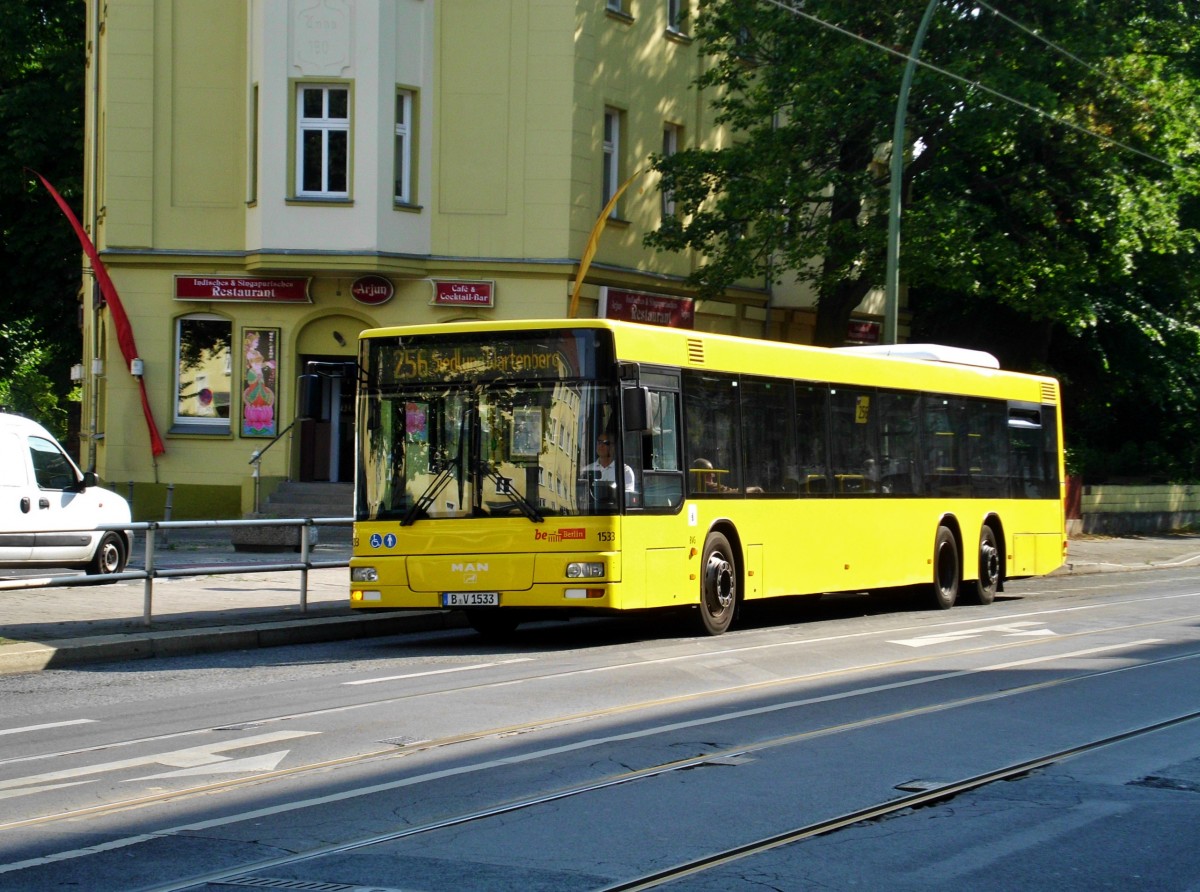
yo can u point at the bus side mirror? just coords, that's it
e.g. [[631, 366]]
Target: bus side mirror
[[635, 408], [308, 387]]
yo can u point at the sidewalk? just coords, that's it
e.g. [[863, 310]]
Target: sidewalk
[[46, 628]]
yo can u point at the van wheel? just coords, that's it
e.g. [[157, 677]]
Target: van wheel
[[109, 557], [718, 585], [989, 568], [945, 569]]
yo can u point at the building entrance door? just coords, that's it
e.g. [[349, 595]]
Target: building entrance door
[[327, 439]]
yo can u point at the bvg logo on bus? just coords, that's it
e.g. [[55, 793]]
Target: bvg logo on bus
[[561, 535]]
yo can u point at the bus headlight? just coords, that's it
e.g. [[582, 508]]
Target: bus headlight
[[364, 574], [585, 570]]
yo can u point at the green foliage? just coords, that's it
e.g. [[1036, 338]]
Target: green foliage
[[42, 67], [1050, 200], [26, 390]]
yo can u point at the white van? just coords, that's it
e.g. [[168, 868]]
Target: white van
[[49, 509]]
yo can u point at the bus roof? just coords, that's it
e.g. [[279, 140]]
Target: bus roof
[[904, 366], [930, 353]]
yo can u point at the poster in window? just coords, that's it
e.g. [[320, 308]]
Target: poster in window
[[260, 372], [526, 433]]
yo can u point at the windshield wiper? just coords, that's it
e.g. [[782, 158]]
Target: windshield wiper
[[427, 498], [438, 483], [504, 486]]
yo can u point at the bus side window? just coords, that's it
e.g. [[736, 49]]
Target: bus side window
[[768, 435], [710, 413], [854, 442], [987, 424], [811, 476], [899, 468], [946, 447]]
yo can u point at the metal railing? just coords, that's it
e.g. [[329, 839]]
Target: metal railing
[[256, 458], [150, 571]]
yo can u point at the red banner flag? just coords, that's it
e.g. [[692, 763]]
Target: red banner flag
[[120, 320]]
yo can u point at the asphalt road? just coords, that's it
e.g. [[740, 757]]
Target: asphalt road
[[585, 755]]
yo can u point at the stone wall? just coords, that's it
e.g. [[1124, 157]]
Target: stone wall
[[1118, 510]]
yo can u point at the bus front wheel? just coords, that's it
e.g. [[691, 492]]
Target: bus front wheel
[[718, 585], [945, 569]]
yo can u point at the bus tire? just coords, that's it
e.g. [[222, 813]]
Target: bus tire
[[718, 585], [946, 569], [493, 625], [988, 583]]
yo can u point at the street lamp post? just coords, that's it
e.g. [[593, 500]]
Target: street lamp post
[[891, 302]]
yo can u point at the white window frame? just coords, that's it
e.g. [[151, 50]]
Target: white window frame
[[403, 149], [218, 366], [328, 127], [675, 10], [672, 137], [611, 151]]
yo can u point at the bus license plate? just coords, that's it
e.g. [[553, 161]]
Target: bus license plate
[[470, 599]]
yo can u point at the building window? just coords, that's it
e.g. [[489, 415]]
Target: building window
[[675, 13], [323, 141], [252, 161], [402, 171], [672, 138], [615, 6], [203, 371], [612, 157]]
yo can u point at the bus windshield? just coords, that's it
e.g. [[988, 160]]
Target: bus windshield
[[495, 427]]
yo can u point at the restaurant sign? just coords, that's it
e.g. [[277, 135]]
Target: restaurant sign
[[863, 333], [458, 293], [282, 290], [649, 309], [372, 290]]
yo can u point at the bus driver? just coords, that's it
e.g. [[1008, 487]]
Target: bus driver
[[604, 468]]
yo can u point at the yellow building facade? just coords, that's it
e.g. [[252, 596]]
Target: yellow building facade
[[266, 178]]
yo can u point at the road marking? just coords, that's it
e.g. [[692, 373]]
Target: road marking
[[46, 726], [192, 757], [438, 671], [576, 746], [1008, 630], [45, 788], [249, 765]]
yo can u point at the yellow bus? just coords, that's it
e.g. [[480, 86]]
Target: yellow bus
[[531, 469]]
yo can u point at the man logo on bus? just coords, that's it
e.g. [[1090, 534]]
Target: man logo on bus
[[469, 568]]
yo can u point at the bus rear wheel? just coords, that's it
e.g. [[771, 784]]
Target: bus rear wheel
[[718, 585], [945, 569], [988, 582]]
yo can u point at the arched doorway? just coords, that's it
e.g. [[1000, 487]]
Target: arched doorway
[[328, 347]]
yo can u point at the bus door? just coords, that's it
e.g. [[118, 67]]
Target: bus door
[[655, 529]]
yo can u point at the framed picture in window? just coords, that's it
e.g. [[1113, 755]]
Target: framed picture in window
[[526, 433], [260, 376]]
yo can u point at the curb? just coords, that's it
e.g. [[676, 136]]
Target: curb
[[30, 656]]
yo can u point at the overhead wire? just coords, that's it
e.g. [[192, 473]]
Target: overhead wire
[[1062, 51], [977, 85]]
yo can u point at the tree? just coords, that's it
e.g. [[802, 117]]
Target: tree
[[42, 66], [1052, 162]]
